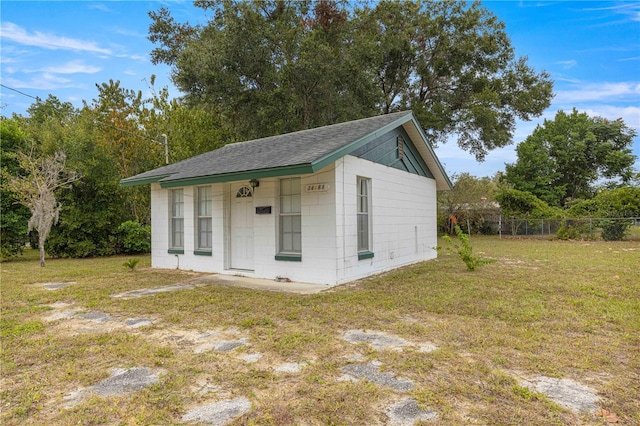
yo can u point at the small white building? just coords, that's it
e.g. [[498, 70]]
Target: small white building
[[326, 205]]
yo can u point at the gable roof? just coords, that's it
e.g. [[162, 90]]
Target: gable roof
[[302, 152]]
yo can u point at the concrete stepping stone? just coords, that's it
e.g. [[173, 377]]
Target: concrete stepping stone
[[221, 345], [152, 291], [566, 393], [121, 382], [371, 372], [94, 316], [407, 413], [56, 286], [376, 339], [138, 322], [290, 367], [218, 413], [250, 358]]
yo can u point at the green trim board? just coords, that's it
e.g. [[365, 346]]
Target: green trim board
[[175, 251], [244, 175], [144, 181], [202, 252], [431, 152], [365, 255], [289, 257]]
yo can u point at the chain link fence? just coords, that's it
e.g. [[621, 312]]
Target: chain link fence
[[609, 229]]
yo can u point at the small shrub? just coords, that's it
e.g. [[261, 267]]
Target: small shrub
[[567, 232], [465, 251], [614, 230], [131, 264], [136, 238]]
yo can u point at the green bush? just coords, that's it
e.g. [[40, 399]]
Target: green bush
[[573, 230], [135, 238], [614, 230]]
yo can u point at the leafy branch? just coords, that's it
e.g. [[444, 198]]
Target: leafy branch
[[464, 249]]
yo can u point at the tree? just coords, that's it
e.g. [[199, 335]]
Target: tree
[[452, 63], [36, 190], [268, 67], [277, 66], [13, 216], [470, 201], [516, 204], [563, 159]]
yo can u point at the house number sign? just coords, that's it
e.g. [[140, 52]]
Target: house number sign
[[317, 187]]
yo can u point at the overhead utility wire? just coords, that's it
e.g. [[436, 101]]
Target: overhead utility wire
[[22, 93], [164, 136]]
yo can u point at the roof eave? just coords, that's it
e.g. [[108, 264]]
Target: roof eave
[[133, 181], [443, 181], [298, 169]]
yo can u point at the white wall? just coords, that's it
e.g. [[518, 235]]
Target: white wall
[[403, 216], [160, 208]]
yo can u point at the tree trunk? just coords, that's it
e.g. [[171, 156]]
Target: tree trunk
[[41, 246]]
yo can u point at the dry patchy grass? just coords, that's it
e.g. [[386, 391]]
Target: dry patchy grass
[[558, 309]]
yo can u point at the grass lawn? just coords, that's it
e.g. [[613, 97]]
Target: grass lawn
[[544, 308]]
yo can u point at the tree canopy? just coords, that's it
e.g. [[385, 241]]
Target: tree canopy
[[277, 66], [565, 158]]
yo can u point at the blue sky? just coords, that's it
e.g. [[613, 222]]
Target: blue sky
[[590, 48]]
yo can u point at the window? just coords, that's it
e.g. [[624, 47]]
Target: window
[[364, 216], [290, 219], [177, 219], [203, 220]]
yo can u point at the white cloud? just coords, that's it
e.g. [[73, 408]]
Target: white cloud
[[568, 64], [630, 114], [589, 92], [99, 6], [73, 67], [12, 32]]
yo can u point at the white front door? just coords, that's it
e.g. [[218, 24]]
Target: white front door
[[242, 228]]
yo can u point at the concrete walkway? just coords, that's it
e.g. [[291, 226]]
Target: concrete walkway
[[261, 284]]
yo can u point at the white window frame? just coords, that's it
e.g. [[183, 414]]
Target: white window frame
[[176, 219], [364, 221], [203, 211], [290, 220]]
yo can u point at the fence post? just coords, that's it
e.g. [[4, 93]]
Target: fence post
[[500, 226], [542, 228]]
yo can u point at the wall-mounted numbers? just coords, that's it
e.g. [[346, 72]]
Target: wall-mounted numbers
[[317, 187]]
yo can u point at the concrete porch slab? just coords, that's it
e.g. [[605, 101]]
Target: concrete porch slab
[[262, 284]]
